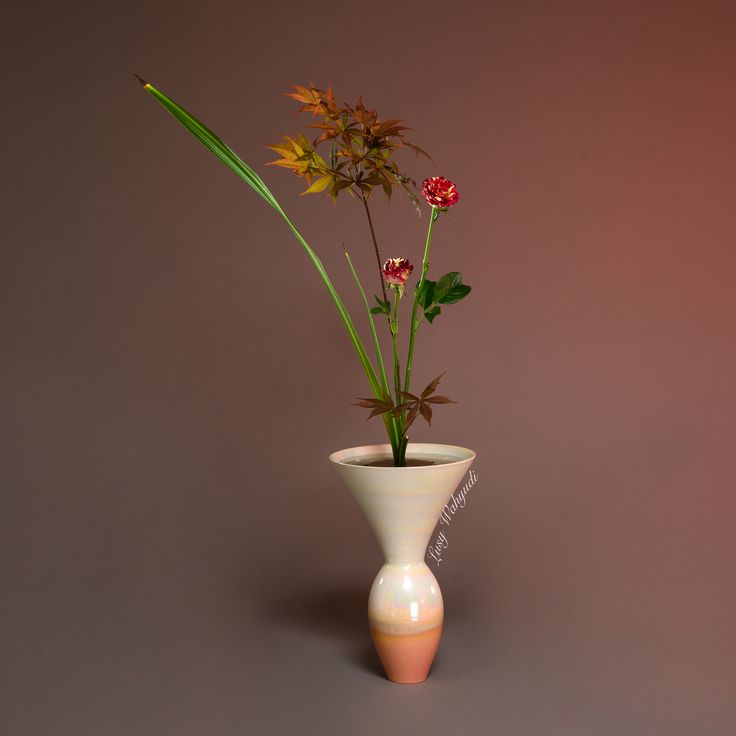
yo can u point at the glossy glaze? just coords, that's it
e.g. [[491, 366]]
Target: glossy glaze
[[402, 505]]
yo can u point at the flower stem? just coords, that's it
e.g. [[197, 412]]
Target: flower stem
[[394, 333], [392, 427], [344, 314], [417, 291], [375, 246], [400, 449]]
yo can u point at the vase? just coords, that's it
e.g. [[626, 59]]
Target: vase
[[402, 505]]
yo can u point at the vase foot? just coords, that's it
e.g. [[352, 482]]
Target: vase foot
[[406, 658]]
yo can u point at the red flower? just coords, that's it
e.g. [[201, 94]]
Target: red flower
[[397, 270], [440, 192]]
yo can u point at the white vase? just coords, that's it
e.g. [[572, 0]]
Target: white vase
[[402, 505]]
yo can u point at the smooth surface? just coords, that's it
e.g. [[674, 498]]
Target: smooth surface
[[403, 506], [405, 615], [173, 374], [407, 658]]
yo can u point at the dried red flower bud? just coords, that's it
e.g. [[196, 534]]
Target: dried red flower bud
[[397, 270], [440, 192]]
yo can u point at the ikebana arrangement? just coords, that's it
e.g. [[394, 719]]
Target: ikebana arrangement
[[401, 487], [361, 158]]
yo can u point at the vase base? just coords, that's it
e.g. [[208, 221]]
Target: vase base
[[407, 658]]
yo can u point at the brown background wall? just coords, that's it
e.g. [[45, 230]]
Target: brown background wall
[[174, 375]]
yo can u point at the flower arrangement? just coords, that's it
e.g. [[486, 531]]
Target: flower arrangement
[[359, 156]]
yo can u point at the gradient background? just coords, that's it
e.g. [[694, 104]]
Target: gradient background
[[178, 557]]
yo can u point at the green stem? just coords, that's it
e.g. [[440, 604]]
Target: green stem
[[401, 462], [417, 291], [389, 420], [399, 451], [349, 326], [376, 344], [394, 333]]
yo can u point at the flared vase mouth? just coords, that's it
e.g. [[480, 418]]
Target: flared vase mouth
[[436, 454]]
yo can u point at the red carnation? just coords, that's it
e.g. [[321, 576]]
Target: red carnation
[[440, 192], [397, 270]]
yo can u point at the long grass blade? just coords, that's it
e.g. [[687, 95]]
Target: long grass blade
[[223, 152]]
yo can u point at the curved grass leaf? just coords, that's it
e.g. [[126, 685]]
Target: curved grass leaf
[[223, 152]]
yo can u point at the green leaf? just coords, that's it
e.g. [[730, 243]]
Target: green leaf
[[426, 294], [383, 307], [450, 288], [447, 282], [456, 294], [430, 314], [216, 146]]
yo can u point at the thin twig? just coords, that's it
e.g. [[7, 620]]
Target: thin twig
[[375, 246]]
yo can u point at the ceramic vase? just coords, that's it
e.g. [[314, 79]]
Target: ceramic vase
[[403, 505]]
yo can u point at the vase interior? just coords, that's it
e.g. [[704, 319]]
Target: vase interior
[[434, 453]]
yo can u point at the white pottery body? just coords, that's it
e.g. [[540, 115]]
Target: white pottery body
[[402, 505]]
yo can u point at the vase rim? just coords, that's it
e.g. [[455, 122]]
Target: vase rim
[[450, 454]]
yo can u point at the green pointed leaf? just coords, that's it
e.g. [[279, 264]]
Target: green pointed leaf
[[426, 294], [456, 294], [450, 288], [209, 140], [383, 307], [430, 314], [447, 282]]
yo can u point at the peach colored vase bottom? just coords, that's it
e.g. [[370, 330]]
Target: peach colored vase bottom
[[407, 657]]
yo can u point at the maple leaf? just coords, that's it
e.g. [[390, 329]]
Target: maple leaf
[[362, 147], [421, 404], [378, 406]]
